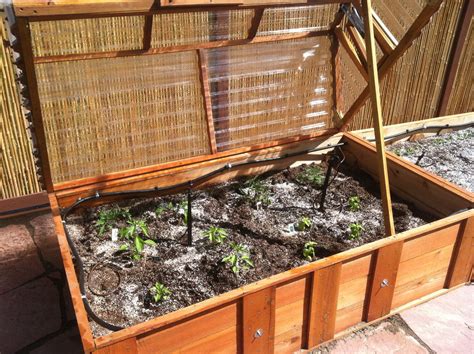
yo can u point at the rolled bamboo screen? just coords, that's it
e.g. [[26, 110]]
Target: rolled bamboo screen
[[462, 95], [411, 90], [18, 176]]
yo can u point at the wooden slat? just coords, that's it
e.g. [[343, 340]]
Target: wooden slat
[[323, 305], [204, 77], [174, 49], [413, 33], [344, 41], [259, 315], [383, 39], [59, 9], [462, 260], [377, 118], [27, 57], [359, 43], [128, 346], [147, 30], [73, 283], [387, 260], [465, 19], [257, 17]]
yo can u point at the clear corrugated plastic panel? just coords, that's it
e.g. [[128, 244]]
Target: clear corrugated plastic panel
[[269, 91]]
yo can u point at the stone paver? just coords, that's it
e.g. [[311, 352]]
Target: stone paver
[[445, 324], [387, 337]]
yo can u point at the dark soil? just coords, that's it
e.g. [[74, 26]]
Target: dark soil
[[450, 155], [119, 287]]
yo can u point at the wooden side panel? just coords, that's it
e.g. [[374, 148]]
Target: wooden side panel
[[427, 191], [128, 346], [259, 321], [461, 263], [202, 331], [290, 318], [355, 276], [323, 304], [387, 260], [424, 264]]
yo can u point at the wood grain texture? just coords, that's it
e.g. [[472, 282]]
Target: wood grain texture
[[383, 281], [259, 316], [128, 346], [350, 49], [462, 259], [377, 118], [323, 305]]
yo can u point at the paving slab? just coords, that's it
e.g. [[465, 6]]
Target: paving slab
[[390, 336], [446, 323]]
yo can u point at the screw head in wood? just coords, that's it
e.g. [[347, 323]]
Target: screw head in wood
[[258, 333], [384, 283]]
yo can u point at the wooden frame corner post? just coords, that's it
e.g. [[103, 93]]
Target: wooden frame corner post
[[377, 117]]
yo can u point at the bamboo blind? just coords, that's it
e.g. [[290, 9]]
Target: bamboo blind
[[272, 90], [411, 90], [108, 115], [87, 35], [462, 95], [17, 173]]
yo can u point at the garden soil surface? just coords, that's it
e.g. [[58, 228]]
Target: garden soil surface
[[118, 288], [450, 156]]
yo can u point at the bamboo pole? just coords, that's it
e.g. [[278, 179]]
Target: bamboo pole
[[377, 117]]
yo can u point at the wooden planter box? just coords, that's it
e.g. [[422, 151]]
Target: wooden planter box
[[308, 305]]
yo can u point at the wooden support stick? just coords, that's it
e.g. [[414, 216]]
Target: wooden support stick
[[344, 41], [458, 44], [377, 116], [257, 17], [147, 31], [386, 64], [359, 43]]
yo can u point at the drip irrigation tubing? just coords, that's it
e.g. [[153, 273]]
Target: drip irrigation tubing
[[438, 128], [180, 186]]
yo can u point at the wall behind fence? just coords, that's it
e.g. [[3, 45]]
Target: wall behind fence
[[17, 175]]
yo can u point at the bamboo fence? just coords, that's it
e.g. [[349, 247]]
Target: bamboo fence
[[111, 114], [18, 175]]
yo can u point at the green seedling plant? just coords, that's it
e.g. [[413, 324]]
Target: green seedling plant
[[239, 258], [163, 207], [356, 230], [133, 233], [256, 191], [312, 175], [109, 218], [309, 252], [304, 223], [160, 292], [215, 235], [354, 203]]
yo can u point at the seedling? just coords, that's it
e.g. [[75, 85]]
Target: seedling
[[163, 207], [239, 258], [354, 203], [134, 232], [309, 250], [312, 175], [256, 191], [215, 234], [109, 218], [304, 223], [356, 230], [160, 292]]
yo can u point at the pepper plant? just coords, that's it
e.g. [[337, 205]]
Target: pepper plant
[[312, 175], [239, 258], [309, 251], [133, 233], [108, 219], [160, 292], [304, 223], [215, 234], [354, 203], [356, 230]]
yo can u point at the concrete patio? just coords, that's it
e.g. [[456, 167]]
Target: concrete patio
[[36, 315]]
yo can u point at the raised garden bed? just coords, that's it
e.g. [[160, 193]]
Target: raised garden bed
[[306, 303], [449, 155]]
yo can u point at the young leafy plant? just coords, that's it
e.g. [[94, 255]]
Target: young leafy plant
[[133, 233], [354, 203], [356, 230], [163, 207], [109, 218], [312, 175], [239, 258], [215, 234], [160, 292], [256, 191], [309, 252], [304, 223]]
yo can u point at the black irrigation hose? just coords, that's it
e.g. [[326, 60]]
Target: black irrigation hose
[[438, 128], [184, 185]]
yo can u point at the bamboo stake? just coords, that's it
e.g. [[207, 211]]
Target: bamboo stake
[[377, 117]]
